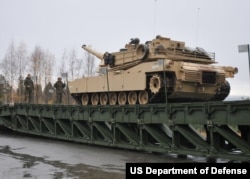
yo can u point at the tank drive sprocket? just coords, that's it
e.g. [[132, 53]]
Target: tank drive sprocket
[[222, 92], [155, 83]]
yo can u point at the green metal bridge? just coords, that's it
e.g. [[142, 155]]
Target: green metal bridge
[[211, 129]]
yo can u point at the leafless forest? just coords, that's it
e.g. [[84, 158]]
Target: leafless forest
[[44, 68]]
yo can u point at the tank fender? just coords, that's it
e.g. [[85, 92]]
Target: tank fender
[[230, 71]]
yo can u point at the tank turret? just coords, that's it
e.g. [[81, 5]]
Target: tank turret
[[160, 70]]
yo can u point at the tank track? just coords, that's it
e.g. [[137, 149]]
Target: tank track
[[223, 92], [160, 97]]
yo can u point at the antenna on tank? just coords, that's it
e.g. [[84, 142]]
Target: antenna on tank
[[197, 28], [154, 17]]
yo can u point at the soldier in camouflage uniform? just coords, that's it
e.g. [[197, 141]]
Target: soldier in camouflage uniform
[[59, 85], [29, 88]]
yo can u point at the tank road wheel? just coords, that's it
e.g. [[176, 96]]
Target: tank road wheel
[[132, 97], [85, 99], [112, 98], [155, 83], [122, 98], [143, 97], [94, 99], [104, 98]]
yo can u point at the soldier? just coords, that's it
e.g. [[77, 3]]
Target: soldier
[[59, 85], [29, 88]]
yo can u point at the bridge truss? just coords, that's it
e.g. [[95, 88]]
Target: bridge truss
[[211, 129]]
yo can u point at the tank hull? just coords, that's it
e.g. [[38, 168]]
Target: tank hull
[[187, 84]]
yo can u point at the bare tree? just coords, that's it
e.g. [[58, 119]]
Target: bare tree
[[90, 64], [22, 58], [9, 67], [37, 60], [62, 65], [72, 64], [79, 73], [47, 71], [39, 64], [47, 67]]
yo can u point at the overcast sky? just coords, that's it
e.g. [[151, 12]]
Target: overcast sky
[[218, 26]]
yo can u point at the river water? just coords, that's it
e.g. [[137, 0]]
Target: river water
[[24, 156]]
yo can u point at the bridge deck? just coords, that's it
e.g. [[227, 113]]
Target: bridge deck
[[212, 129]]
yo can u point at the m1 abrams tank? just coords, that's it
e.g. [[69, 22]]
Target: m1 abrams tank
[[157, 71]]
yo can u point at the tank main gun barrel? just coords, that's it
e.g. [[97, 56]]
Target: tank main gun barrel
[[93, 52]]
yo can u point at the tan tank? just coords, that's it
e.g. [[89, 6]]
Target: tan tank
[[158, 71]]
